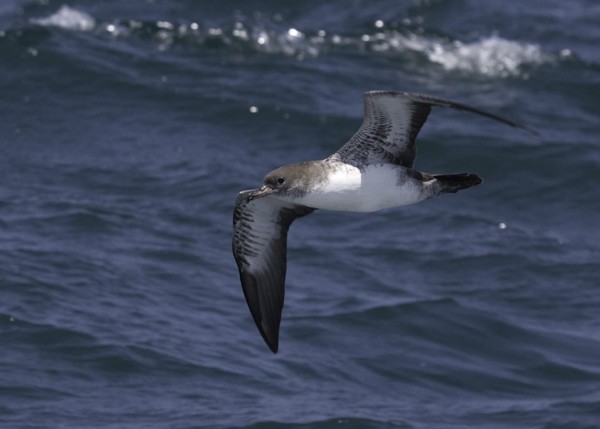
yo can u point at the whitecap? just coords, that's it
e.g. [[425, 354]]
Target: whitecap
[[491, 56], [68, 18]]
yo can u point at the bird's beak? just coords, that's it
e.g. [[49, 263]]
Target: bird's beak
[[263, 191]]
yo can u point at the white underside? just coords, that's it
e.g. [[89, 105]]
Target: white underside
[[375, 188]]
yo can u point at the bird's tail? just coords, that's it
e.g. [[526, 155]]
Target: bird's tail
[[455, 182]]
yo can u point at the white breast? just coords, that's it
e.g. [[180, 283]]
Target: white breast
[[377, 187]]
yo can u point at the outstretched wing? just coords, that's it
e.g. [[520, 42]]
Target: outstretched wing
[[260, 227], [390, 126]]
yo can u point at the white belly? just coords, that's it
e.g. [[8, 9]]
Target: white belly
[[377, 187]]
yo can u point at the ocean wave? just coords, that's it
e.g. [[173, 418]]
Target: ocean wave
[[82, 351], [69, 19], [490, 56], [342, 421]]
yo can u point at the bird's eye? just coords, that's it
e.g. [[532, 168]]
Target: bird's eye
[[280, 180]]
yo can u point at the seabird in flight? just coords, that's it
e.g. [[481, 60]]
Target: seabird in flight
[[372, 171]]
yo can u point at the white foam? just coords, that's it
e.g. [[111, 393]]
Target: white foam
[[68, 18], [490, 56]]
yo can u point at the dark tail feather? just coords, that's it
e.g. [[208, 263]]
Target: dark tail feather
[[456, 182]]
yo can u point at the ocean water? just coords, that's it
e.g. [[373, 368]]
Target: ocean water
[[126, 130]]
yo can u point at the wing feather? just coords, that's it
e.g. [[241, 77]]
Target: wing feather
[[260, 227], [392, 121]]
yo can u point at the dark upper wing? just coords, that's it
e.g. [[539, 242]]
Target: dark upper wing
[[260, 228], [390, 126]]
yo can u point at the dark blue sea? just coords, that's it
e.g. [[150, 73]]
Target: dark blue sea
[[127, 129]]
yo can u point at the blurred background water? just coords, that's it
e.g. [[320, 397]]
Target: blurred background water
[[126, 130]]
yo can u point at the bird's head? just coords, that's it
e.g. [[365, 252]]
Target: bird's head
[[289, 180]]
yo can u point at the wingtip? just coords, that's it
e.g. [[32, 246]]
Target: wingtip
[[272, 341], [435, 101], [270, 336]]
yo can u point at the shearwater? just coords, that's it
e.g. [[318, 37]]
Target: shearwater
[[372, 171]]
